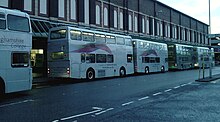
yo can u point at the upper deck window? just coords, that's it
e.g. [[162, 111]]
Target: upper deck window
[[2, 21], [58, 34], [18, 23]]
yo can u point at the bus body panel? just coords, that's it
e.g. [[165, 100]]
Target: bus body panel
[[157, 51], [15, 48], [84, 55]]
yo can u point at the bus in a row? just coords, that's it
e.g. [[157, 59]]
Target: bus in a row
[[87, 54], [15, 48], [82, 53], [188, 57]]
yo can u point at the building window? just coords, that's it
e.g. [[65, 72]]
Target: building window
[[28, 5], [105, 16], [61, 8], [143, 24], [174, 32], [86, 11], [168, 30], [121, 19], [73, 9], [136, 23], [115, 19], [4, 3], [98, 15], [43, 7], [161, 28], [130, 22], [151, 24], [199, 39], [192, 37], [147, 25]]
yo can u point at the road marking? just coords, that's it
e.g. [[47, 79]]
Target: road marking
[[128, 103], [16, 103], [189, 83], [143, 98], [157, 93], [97, 109], [183, 85], [104, 111], [167, 90], [176, 87]]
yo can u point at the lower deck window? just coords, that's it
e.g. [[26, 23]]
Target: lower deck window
[[20, 59]]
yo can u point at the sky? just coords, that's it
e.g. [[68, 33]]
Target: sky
[[199, 9]]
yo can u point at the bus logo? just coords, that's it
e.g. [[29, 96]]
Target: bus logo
[[93, 47]]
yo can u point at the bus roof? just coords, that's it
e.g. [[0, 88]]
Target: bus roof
[[149, 41], [13, 12], [87, 30]]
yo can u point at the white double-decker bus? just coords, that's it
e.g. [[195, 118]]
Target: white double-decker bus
[[81, 53], [15, 48], [150, 56]]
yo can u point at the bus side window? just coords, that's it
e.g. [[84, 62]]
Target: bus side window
[[88, 37], [100, 58], [128, 42], [109, 58], [90, 58], [100, 39], [83, 56], [110, 39], [2, 21], [120, 41], [75, 35]]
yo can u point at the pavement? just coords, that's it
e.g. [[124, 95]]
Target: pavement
[[209, 79]]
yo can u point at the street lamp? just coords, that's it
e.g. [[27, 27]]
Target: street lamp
[[210, 55]]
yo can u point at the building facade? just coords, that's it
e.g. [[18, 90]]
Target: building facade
[[147, 19]]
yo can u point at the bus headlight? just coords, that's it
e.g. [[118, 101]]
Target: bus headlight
[[48, 71], [196, 64]]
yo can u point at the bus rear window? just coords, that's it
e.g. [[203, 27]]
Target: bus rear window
[[57, 55], [20, 59], [18, 23], [58, 34]]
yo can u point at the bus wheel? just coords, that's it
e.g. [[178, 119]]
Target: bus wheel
[[122, 72], [162, 69], [146, 70], [90, 74], [2, 89]]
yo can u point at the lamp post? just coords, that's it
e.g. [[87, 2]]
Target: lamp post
[[210, 52]]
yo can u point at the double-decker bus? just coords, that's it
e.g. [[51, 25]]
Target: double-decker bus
[[181, 56], [150, 56], [205, 57], [81, 53], [15, 48]]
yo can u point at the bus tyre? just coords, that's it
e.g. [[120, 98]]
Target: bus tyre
[[90, 74], [122, 72], [146, 70], [2, 89]]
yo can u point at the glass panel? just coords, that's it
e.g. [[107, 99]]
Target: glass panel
[[90, 58], [57, 55], [75, 35], [100, 58], [109, 59], [88, 37], [120, 41], [110, 39], [18, 23], [58, 34], [20, 59], [100, 38]]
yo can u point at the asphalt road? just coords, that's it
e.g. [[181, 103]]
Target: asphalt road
[[170, 96]]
